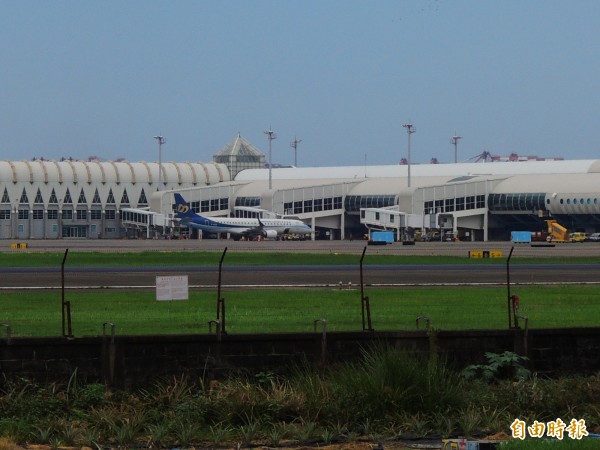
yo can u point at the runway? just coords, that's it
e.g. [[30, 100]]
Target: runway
[[119, 277]]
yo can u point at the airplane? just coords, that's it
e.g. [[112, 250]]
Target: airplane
[[250, 227]]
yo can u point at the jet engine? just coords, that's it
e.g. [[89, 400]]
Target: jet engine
[[270, 234]]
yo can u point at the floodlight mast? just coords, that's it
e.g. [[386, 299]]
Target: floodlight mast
[[161, 140], [270, 135], [294, 145], [454, 141], [410, 129]]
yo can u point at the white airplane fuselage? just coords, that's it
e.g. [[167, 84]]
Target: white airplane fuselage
[[250, 227], [242, 226]]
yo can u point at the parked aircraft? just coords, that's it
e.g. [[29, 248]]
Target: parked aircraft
[[248, 227]]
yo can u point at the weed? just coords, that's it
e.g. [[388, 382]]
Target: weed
[[443, 423], [327, 406], [469, 421], [173, 392], [247, 433], [69, 434], [418, 424], [328, 436], [186, 433], [493, 419], [307, 431], [126, 430], [220, 433], [339, 431], [507, 365], [17, 429], [42, 435], [8, 444], [56, 443], [388, 380], [276, 433], [89, 396], [89, 437], [158, 434], [264, 378]]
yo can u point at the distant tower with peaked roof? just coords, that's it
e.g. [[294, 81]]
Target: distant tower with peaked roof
[[239, 154]]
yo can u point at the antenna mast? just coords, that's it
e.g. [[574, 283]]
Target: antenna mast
[[271, 135], [161, 140], [454, 142], [410, 129], [294, 145]]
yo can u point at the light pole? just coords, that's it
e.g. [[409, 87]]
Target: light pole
[[454, 141], [294, 145], [410, 129], [271, 135], [161, 140]]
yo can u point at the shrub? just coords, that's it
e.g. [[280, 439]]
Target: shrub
[[389, 380]]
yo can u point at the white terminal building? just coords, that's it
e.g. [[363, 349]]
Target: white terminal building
[[92, 199]]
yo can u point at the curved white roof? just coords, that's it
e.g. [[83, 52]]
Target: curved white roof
[[548, 183], [424, 170], [111, 172]]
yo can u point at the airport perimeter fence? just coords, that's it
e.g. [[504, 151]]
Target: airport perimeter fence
[[84, 301], [172, 306]]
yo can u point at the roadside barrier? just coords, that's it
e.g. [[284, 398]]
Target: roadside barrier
[[485, 254]]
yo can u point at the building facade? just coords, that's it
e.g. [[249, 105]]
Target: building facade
[[85, 199], [475, 201]]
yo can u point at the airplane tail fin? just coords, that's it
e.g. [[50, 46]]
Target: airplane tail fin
[[182, 208]]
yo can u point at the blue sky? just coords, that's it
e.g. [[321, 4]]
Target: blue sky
[[82, 78]]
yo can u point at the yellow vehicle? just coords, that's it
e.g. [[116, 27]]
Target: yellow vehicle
[[556, 232], [578, 237]]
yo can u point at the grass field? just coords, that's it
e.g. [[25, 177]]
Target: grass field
[[74, 259], [39, 313]]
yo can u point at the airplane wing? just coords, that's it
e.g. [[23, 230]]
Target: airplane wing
[[255, 231], [259, 231]]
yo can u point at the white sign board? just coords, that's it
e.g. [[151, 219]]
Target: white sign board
[[172, 288]]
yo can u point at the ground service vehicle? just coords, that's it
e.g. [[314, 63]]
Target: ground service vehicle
[[556, 232], [595, 237], [520, 237], [578, 237]]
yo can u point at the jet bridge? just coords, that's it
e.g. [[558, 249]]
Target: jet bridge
[[391, 219], [144, 221]]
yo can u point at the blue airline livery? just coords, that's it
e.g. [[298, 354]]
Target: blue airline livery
[[250, 227]]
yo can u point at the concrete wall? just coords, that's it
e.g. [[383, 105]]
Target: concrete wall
[[136, 360]]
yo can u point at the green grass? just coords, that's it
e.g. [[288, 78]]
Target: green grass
[[39, 313], [154, 258], [545, 444]]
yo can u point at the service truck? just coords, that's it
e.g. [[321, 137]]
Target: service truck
[[556, 232]]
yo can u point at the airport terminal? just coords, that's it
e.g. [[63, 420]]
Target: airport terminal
[[472, 201]]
